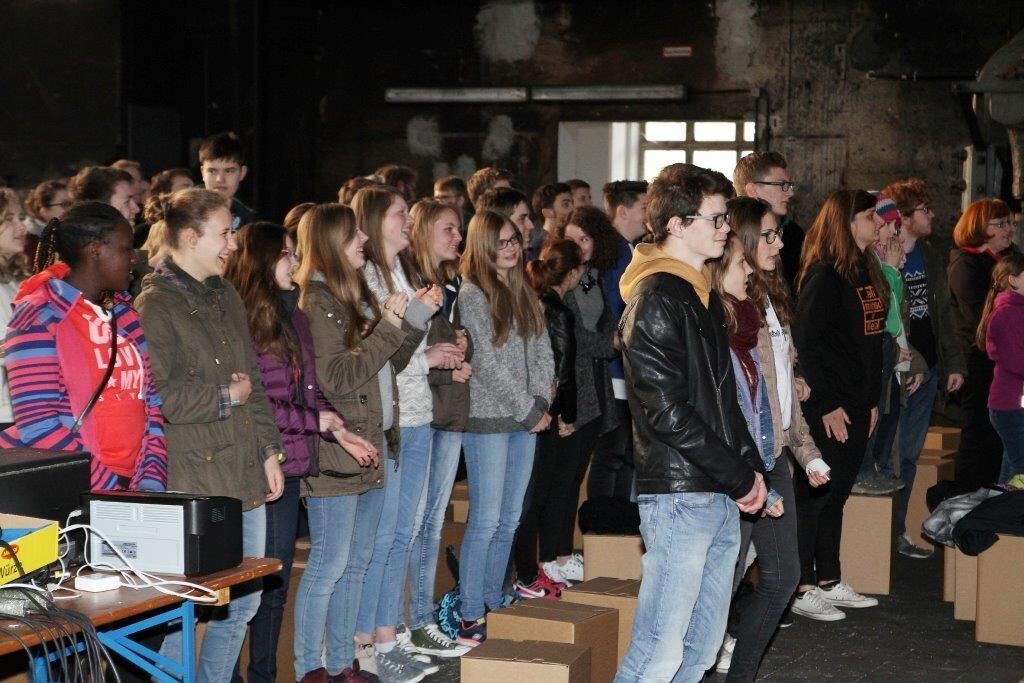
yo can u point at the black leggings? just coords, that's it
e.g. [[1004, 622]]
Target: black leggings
[[820, 510], [553, 496], [980, 455]]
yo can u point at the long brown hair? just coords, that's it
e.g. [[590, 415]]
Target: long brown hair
[[511, 301], [425, 214], [717, 269], [251, 271], [1011, 265], [325, 231], [370, 205], [15, 268], [595, 224], [830, 240], [745, 216]]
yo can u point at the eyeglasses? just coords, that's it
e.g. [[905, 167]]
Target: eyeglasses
[[718, 219], [1001, 223], [924, 208], [784, 185], [514, 240], [62, 205], [771, 235]]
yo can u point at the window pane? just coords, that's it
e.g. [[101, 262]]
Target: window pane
[[665, 131], [657, 159], [748, 131], [714, 131], [721, 160], [746, 152]]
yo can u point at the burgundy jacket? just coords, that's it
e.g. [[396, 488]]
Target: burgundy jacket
[[294, 396]]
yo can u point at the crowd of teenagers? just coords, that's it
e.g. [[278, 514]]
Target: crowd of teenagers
[[729, 375]]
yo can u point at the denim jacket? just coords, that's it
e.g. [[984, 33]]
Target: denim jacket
[[758, 416]]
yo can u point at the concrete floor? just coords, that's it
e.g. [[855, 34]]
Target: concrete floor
[[910, 636]]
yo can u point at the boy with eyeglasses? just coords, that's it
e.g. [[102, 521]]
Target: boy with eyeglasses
[[931, 332], [763, 175], [697, 467]]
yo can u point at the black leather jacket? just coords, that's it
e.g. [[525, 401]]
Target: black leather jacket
[[690, 433], [561, 324]]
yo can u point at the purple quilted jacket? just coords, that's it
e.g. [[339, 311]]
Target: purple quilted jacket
[[295, 398]]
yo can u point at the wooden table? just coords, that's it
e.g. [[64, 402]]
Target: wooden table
[[117, 607]]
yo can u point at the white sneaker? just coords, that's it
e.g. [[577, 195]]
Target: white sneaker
[[813, 606], [725, 655], [843, 595], [365, 655], [569, 573]]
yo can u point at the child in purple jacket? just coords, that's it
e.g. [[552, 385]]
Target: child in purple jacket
[[261, 270], [1001, 334]]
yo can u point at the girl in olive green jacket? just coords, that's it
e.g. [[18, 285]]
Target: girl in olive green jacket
[[221, 436]]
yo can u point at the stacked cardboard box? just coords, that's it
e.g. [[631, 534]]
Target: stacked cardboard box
[[458, 504], [942, 438], [596, 628], [612, 556], [866, 548], [965, 596], [618, 594], [1000, 598], [507, 661]]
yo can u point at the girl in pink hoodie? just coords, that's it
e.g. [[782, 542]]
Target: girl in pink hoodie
[[1001, 334]]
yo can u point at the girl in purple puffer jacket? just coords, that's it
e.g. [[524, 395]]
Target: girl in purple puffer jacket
[[261, 270]]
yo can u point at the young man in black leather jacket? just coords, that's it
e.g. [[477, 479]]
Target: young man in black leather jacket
[[696, 464]]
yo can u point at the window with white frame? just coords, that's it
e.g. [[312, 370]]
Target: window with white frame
[[717, 145]]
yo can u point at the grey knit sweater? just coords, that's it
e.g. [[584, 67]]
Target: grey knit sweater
[[510, 389]]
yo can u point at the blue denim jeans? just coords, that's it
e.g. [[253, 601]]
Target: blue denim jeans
[[340, 533], [265, 627], [444, 462], [1009, 426], [404, 495], [692, 542], [226, 628], [915, 417], [499, 468]]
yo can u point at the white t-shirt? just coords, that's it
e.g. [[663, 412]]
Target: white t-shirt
[[781, 344]]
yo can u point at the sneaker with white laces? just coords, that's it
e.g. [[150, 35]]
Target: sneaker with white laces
[[813, 606], [843, 595], [404, 639], [725, 655], [365, 656], [422, 661], [398, 667], [430, 641], [563, 573]]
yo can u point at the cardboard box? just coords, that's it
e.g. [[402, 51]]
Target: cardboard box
[[929, 473], [942, 438], [941, 455], [948, 574], [563, 622], [866, 549], [459, 510], [1001, 593], [506, 661], [34, 542], [965, 596], [619, 594], [617, 557]]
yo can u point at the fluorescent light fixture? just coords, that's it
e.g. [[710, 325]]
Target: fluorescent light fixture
[[454, 95], [594, 93]]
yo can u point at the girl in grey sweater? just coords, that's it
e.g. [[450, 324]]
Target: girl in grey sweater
[[512, 384]]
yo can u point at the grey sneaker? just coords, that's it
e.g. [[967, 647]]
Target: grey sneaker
[[894, 480], [906, 547], [873, 486], [429, 640], [398, 667], [813, 606]]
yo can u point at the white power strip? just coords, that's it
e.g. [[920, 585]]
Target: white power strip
[[97, 583]]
